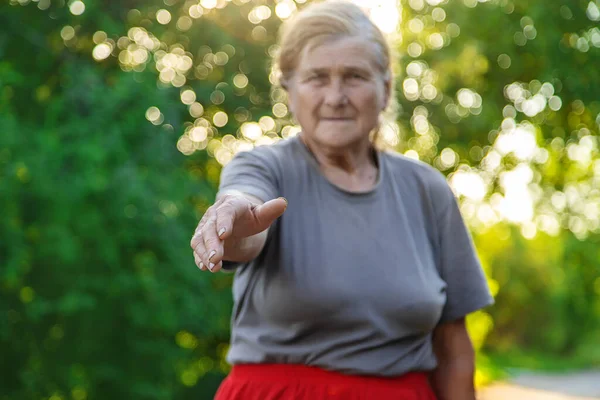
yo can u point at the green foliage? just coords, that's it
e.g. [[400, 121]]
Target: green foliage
[[500, 55], [100, 296], [548, 297]]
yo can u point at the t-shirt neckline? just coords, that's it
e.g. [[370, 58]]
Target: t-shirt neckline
[[310, 158]]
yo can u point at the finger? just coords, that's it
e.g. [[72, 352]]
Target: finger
[[199, 262], [196, 239], [268, 212], [202, 222], [197, 236], [213, 245], [217, 267], [199, 252], [226, 215]]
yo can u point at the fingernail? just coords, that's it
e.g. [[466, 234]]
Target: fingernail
[[284, 199], [211, 266], [201, 265], [222, 231], [212, 253]]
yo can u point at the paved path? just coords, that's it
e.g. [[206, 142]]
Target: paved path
[[532, 386]]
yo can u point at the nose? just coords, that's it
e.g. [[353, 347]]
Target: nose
[[335, 95]]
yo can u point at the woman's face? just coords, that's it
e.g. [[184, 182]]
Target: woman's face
[[337, 92]]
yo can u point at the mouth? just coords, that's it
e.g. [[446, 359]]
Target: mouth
[[336, 119]]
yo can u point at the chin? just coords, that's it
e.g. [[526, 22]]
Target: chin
[[338, 139]]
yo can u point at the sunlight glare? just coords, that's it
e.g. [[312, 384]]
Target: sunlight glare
[[521, 141], [468, 184], [384, 13]]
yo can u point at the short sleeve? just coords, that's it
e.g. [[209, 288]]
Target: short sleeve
[[467, 289], [252, 172]]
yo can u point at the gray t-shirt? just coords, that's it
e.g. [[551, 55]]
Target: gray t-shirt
[[351, 282]]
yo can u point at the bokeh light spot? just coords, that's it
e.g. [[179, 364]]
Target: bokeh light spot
[[435, 41], [163, 17], [198, 133], [592, 11], [280, 110], [259, 33], [266, 123], [67, 32], [411, 89], [153, 114], [240, 81], [208, 4], [555, 103], [99, 37], [415, 69], [504, 61], [195, 11], [217, 97], [251, 130], [415, 25], [285, 9], [220, 119], [453, 30], [101, 51], [438, 14], [221, 58], [448, 158], [416, 5], [184, 23], [469, 184], [196, 110], [188, 96], [414, 49], [77, 7], [412, 154]]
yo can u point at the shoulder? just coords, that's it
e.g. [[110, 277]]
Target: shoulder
[[421, 175], [258, 171], [401, 165], [269, 157], [270, 154]]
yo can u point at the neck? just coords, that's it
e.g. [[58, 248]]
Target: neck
[[350, 159], [353, 168]]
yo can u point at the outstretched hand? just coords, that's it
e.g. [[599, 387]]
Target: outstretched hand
[[233, 218]]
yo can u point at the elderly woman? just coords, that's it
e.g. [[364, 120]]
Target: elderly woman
[[358, 287]]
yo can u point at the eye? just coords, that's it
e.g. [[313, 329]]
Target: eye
[[316, 79], [356, 76]]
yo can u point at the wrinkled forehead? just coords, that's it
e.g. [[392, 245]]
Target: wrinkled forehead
[[340, 53]]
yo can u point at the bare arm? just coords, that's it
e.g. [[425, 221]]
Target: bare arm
[[453, 377]]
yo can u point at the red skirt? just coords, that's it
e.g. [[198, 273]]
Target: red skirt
[[300, 382]]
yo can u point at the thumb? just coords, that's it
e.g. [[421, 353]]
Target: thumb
[[268, 212]]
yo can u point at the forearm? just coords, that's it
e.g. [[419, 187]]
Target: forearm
[[453, 378]]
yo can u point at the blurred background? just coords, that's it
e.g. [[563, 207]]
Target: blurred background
[[117, 116]]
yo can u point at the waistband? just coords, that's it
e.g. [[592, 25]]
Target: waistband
[[295, 372]]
